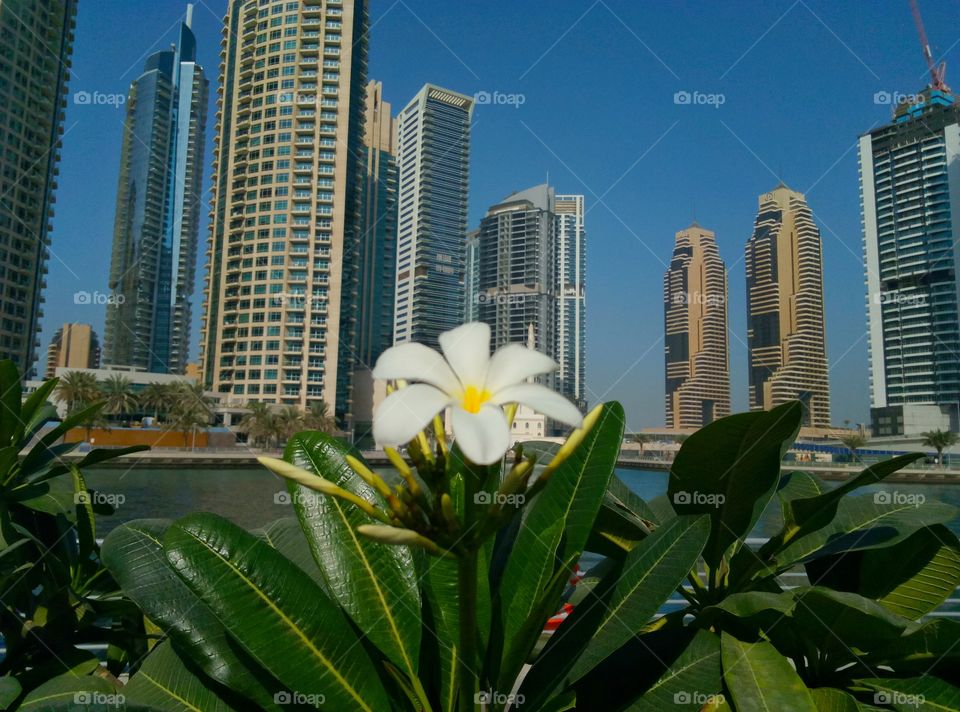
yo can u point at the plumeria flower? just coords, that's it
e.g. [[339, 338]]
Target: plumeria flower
[[473, 384]]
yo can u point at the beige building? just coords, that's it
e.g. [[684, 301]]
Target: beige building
[[695, 342], [36, 40], [785, 320], [281, 293], [73, 346]]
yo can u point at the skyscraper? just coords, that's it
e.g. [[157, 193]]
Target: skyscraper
[[159, 199], [517, 261], [910, 196], [785, 322], [73, 346], [695, 321], [283, 273], [434, 166], [471, 278], [570, 270], [37, 40]]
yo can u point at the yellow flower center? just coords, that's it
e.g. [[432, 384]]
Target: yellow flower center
[[473, 398]]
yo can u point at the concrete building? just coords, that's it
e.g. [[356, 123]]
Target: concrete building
[[785, 320], [910, 198], [284, 251], [471, 278], [695, 326], [37, 41], [73, 346], [570, 272], [159, 199], [434, 168]]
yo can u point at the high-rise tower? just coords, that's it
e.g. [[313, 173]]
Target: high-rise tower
[[570, 272], [695, 344], [910, 196], [785, 322], [37, 41], [434, 168], [159, 199], [73, 346], [283, 268]]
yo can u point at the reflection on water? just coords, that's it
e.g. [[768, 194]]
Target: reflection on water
[[248, 496]]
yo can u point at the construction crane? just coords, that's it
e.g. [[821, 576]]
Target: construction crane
[[937, 71]]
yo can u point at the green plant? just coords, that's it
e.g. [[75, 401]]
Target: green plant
[[940, 440], [56, 594]]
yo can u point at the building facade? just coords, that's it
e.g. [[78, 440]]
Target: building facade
[[910, 198], [570, 270], [159, 199], [433, 159], [73, 346], [284, 251], [695, 326], [37, 41], [785, 319]]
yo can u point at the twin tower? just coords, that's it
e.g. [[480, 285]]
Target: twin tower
[[785, 321]]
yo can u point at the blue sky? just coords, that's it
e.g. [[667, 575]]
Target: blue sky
[[799, 81]]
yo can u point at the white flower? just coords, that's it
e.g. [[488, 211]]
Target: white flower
[[471, 382]]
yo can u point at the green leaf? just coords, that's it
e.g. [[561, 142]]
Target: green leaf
[[165, 683], [286, 536], [275, 611], [924, 649], [690, 682], [730, 470], [69, 692], [374, 583], [9, 691], [915, 694], [623, 520], [750, 603], [914, 577], [134, 555], [10, 398], [760, 679], [557, 523], [651, 572], [837, 620], [829, 699]]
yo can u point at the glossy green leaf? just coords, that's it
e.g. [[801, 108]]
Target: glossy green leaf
[[838, 620], [692, 681], [69, 692], [914, 577], [286, 536], [915, 694], [134, 555], [730, 470], [828, 699], [760, 679], [9, 691], [651, 572], [922, 650], [275, 611], [165, 683], [557, 523], [374, 583]]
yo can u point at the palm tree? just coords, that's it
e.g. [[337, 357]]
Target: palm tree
[[258, 423], [78, 390], [939, 440], [640, 439], [189, 410], [318, 417], [119, 396], [853, 441], [289, 422], [158, 397]]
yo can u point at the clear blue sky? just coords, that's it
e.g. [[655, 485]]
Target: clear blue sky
[[598, 79]]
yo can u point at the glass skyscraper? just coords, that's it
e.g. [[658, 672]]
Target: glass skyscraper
[[159, 199], [910, 195], [433, 159], [36, 39], [570, 271]]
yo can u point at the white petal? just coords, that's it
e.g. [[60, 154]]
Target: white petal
[[483, 437], [405, 412], [467, 349], [541, 399], [416, 362], [515, 364]]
